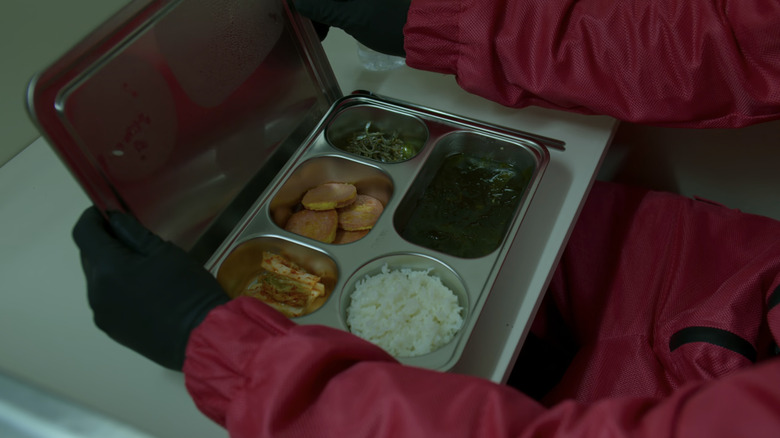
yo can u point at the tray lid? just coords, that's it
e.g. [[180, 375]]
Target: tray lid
[[181, 112]]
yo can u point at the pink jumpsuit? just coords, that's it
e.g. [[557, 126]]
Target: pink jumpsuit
[[694, 63], [668, 305]]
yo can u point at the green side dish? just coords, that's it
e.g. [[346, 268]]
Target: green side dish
[[380, 146]]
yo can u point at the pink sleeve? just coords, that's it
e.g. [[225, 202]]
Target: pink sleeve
[[259, 375], [698, 63]]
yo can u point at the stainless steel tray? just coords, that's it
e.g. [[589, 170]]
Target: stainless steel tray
[[209, 124], [399, 186]]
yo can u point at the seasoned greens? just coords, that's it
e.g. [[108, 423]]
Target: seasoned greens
[[378, 145]]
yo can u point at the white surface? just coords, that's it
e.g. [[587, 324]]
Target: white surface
[[26, 412], [46, 330]]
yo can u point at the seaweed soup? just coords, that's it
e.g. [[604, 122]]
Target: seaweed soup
[[468, 206]]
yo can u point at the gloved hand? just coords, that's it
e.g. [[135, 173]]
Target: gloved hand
[[378, 24], [145, 293]]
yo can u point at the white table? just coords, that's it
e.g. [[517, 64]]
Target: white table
[[46, 332]]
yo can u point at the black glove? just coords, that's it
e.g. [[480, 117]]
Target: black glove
[[378, 24], [145, 293]]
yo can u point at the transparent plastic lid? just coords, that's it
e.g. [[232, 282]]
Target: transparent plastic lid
[[181, 112]]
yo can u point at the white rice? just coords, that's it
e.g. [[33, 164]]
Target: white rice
[[406, 312]]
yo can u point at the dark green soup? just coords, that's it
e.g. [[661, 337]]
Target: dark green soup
[[466, 209]]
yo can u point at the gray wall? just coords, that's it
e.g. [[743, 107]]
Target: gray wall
[[33, 33], [739, 168]]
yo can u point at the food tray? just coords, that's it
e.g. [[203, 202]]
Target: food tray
[[399, 186], [208, 125]]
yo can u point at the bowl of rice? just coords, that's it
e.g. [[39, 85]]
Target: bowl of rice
[[411, 305]]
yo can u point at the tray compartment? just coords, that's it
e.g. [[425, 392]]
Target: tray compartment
[[465, 198], [442, 356], [365, 120], [367, 179], [242, 265]]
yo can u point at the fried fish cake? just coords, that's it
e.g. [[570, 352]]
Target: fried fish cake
[[329, 196], [343, 236], [361, 214], [318, 225]]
